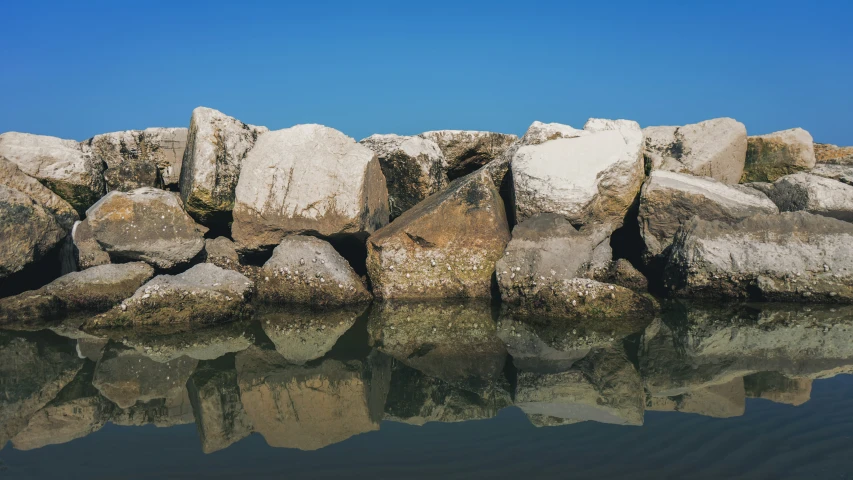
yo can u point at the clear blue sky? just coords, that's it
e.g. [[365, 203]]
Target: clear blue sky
[[75, 69]]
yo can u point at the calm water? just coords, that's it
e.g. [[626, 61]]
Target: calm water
[[437, 390]]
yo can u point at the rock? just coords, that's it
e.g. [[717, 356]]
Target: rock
[[302, 334], [621, 272], [216, 147], [308, 271], [842, 173], [215, 397], [591, 178], [446, 246], [95, 290], [174, 409], [771, 156], [713, 148], [145, 224], [28, 231], [12, 177], [778, 388], [792, 256], [222, 252], [466, 150], [414, 169], [725, 400], [87, 251], [140, 158], [64, 166], [833, 154], [308, 179], [207, 343], [203, 295], [670, 199], [812, 193]]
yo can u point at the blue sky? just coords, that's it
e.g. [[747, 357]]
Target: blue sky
[[75, 69]]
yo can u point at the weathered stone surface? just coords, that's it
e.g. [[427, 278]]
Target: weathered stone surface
[[778, 388], [446, 246], [174, 409], [163, 345], [833, 154], [302, 334], [27, 231], [719, 401], [87, 251], [812, 193], [771, 156], [202, 295], [669, 199], [713, 148], [308, 179], [593, 177], [145, 224], [215, 397], [842, 173], [221, 252], [140, 158], [792, 256], [621, 272], [64, 166], [216, 147], [12, 177], [466, 150], [308, 271], [414, 169]]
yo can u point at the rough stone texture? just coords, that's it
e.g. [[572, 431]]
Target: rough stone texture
[[792, 256], [771, 156], [414, 169], [591, 178], [446, 246], [140, 158], [219, 415], [174, 409], [87, 251], [145, 224], [216, 147], [621, 272], [207, 343], [64, 166], [203, 295], [27, 231], [95, 290], [812, 193], [842, 173], [833, 154], [713, 148], [466, 151], [302, 334], [725, 400], [669, 199], [778, 388], [308, 271], [12, 177], [308, 179]]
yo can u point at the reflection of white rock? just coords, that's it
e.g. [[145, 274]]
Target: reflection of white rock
[[778, 388], [219, 414], [201, 343], [301, 334], [719, 401]]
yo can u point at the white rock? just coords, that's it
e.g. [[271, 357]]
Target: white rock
[[812, 193]]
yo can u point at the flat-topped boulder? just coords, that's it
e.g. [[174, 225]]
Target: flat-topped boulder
[[792, 256], [12, 177], [28, 231], [669, 199], [713, 148], [414, 168], [146, 224], [811, 193], [446, 246], [216, 148], [771, 156], [593, 177], [468, 150], [140, 158], [308, 179]]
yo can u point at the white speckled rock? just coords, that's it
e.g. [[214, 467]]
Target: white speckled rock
[[308, 178], [713, 148], [771, 156], [27, 231], [216, 148], [812, 193], [12, 177], [140, 158], [468, 150], [669, 199], [64, 166], [414, 169], [592, 177]]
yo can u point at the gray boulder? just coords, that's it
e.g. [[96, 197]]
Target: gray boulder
[[12, 177], [87, 251], [811, 193], [221, 252], [140, 158], [842, 173], [466, 150], [771, 156], [27, 231]]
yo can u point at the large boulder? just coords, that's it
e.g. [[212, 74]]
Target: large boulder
[[414, 169], [216, 148], [28, 231], [205, 294], [771, 156], [812, 193], [713, 148], [308, 179], [446, 246], [12, 177], [140, 158], [468, 150], [593, 177], [669, 199], [792, 256], [64, 166], [308, 271], [145, 224]]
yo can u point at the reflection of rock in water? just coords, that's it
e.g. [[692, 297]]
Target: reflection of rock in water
[[215, 398], [305, 407], [301, 334], [33, 369], [604, 387], [778, 388], [720, 401], [207, 343]]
